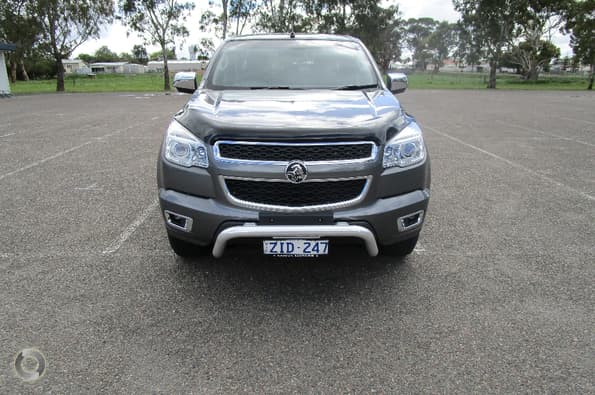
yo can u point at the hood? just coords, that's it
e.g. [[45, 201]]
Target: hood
[[289, 114]]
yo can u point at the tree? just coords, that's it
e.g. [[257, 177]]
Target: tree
[[467, 51], [535, 23], [86, 58], [139, 54], [240, 13], [380, 29], [158, 22], [493, 22], [417, 36], [531, 57], [280, 16], [581, 21], [19, 27], [210, 23], [66, 24], [103, 54], [170, 52], [224, 17], [206, 49], [441, 43]]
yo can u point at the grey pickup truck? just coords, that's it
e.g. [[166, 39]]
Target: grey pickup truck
[[297, 144]]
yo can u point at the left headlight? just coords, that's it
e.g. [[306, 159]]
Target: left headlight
[[407, 148], [183, 148]]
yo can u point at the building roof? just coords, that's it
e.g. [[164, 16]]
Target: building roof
[[108, 64], [7, 47]]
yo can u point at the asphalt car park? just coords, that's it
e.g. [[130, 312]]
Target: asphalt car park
[[497, 297]]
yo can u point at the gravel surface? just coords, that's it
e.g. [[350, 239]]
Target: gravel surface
[[498, 296]]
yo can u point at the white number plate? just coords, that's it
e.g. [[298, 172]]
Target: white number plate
[[295, 247]]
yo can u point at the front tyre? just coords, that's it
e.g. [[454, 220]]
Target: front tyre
[[399, 249]]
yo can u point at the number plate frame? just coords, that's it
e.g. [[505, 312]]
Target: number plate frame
[[295, 247]]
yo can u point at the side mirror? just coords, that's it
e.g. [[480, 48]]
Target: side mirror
[[185, 82], [396, 82]]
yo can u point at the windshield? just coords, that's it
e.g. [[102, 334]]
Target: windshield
[[291, 64]]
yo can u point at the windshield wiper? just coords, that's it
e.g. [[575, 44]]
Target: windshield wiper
[[356, 87], [270, 87]]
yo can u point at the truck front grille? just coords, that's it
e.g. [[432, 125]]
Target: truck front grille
[[279, 194], [284, 152]]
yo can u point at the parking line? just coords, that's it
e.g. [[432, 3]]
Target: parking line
[[6, 135], [511, 163], [130, 229], [42, 161], [61, 153], [544, 133], [579, 120], [419, 249]]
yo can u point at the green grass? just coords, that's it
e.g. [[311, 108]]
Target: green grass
[[443, 80], [149, 82], [153, 82]]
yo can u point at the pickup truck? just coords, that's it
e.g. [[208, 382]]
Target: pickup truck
[[298, 144]]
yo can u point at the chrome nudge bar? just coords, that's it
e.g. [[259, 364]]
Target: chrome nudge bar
[[252, 230]]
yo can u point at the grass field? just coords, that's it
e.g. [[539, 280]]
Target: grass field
[[504, 81], [149, 82], [153, 82]]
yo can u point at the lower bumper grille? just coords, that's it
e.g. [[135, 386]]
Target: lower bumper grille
[[304, 195]]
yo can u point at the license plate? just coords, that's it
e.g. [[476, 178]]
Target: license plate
[[295, 247]]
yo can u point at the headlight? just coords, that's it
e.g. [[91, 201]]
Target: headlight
[[406, 148], [183, 148]]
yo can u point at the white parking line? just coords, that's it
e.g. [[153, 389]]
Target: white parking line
[[511, 163], [6, 135], [579, 120], [544, 133], [42, 161], [61, 153], [419, 249], [130, 229]]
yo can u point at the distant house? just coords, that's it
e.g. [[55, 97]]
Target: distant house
[[4, 85], [449, 65], [108, 67], [177, 65], [72, 65], [117, 68], [133, 68]]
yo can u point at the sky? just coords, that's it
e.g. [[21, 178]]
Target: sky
[[118, 40]]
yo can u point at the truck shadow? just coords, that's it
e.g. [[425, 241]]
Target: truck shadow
[[246, 273]]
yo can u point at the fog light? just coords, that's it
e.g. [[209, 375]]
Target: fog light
[[178, 221], [410, 221]]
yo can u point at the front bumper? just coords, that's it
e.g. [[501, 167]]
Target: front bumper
[[216, 223]]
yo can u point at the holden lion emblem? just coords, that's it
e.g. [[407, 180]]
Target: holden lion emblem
[[296, 171]]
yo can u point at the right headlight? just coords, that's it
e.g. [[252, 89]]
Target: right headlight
[[183, 148], [407, 148]]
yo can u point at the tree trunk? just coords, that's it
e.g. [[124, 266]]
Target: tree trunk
[[492, 80], [60, 74], [165, 70], [224, 4], [238, 13], [13, 68], [24, 70], [533, 73]]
